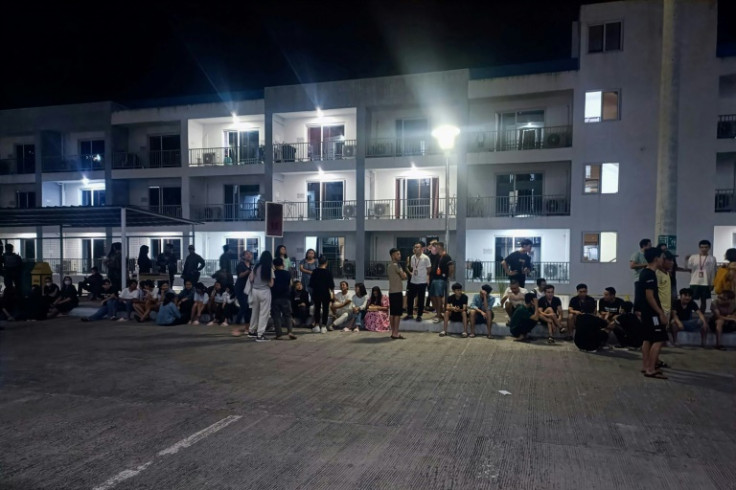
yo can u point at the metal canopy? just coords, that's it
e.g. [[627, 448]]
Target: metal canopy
[[86, 217]]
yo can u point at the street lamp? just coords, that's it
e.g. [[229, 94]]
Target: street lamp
[[445, 136]]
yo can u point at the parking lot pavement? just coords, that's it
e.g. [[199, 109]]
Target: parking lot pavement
[[106, 405]]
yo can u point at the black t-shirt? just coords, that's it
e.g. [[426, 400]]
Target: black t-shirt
[[321, 282], [281, 284], [613, 307], [453, 300], [647, 280], [433, 260], [443, 264], [518, 261], [684, 313], [586, 306], [240, 281], [555, 303], [588, 333]]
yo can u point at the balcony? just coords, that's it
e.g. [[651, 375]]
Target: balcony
[[725, 201], [518, 206], [314, 152], [319, 211], [13, 166], [423, 208], [153, 159], [222, 156], [520, 139], [73, 163], [228, 212], [406, 147], [171, 210], [726, 126], [487, 271]]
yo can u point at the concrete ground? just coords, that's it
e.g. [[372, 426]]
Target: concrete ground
[[134, 406]]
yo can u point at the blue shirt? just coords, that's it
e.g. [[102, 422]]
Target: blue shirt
[[477, 303], [167, 314]]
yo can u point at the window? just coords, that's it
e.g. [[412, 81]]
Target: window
[[24, 200], [604, 37], [25, 159], [165, 200], [92, 153], [411, 136], [93, 197], [242, 147], [164, 151], [601, 106], [326, 142], [599, 247], [601, 178]]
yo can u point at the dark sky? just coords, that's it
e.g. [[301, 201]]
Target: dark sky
[[71, 52]]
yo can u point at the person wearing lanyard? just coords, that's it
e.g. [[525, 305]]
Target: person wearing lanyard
[[702, 268], [419, 267]]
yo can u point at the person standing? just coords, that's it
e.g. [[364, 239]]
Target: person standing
[[702, 268], [144, 261], [396, 276], [306, 267], [262, 281], [166, 262], [280, 305], [442, 272], [519, 263], [114, 264], [323, 287], [282, 254], [193, 265], [419, 268], [637, 263], [13, 266], [242, 271], [226, 267], [653, 320]]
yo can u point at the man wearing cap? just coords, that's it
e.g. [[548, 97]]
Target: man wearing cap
[[481, 310], [192, 266], [93, 284]]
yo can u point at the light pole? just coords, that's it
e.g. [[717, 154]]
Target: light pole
[[445, 136]]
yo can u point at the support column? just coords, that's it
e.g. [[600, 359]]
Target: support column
[[360, 235], [39, 243], [61, 254], [123, 250], [267, 190], [185, 197], [461, 200], [667, 154]]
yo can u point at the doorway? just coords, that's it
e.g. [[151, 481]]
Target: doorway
[[93, 251], [242, 201], [519, 194], [325, 199], [411, 136], [326, 142], [242, 147]]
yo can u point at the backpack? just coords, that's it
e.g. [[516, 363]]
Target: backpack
[[721, 282]]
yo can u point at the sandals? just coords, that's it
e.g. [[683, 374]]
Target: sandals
[[465, 335], [550, 340], [400, 337], [443, 333], [662, 364], [472, 335], [656, 375], [489, 336], [356, 330]]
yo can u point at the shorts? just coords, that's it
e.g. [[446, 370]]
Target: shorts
[[700, 292], [728, 326], [456, 317], [651, 332], [479, 320], [438, 288], [693, 325], [395, 304]]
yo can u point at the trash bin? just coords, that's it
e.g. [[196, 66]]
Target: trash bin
[[34, 273]]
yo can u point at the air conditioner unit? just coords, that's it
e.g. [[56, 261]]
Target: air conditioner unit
[[379, 210], [555, 140], [348, 151], [348, 211], [379, 269], [348, 268], [209, 158]]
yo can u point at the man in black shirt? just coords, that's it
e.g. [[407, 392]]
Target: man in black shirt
[[582, 303], [457, 309], [519, 263], [627, 327], [280, 305], [192, 266], [609, 306], [442, 270], [549, 310], [93, 284], [654, 323], [590, 332], [166, 262]]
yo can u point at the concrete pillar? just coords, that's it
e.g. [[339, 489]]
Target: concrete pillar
[[110, 196], [461, 206], [267, 191], [667, 154], [360, 235], [185, 196]]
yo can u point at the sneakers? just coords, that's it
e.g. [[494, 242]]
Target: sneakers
[[324, 329], [114, 318], [407, 317], [195, 322], [211, 323], [419, 318], [262, 339], [436, 319], [123, 319], [316, 329], [329, 328], [225, 324], [252, 334], [550, 340]]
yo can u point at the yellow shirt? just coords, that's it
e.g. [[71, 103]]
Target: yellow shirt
[[664, 290]]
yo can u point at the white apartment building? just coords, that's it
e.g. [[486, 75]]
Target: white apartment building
[[632, 137]]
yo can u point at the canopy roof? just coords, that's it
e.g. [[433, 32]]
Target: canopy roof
[[86, 217]]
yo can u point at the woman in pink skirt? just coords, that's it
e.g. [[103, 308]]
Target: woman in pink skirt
[[376, 318]]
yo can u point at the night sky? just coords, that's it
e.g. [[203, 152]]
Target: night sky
[[71, 52]]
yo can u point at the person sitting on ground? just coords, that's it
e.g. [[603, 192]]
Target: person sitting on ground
[[591, 332], [481, 310], [299, 304], [67, 300], [93, 284], [539, 290], [280, 304], [341, 307], [10, 303], [456, 309], [582, 303], [149, 301], [50, 293], [218, 298], [524, 318], [723, 319], [200, 299], [34, 307], [627, 327], [549, 311], [376, 318], [128, 298], [688, 317], [184, 301], [359, 303], [513, 298], [168, 314], [108, 307], [609, 306]]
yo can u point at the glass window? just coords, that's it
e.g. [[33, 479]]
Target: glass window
[[601, 106], [599, 246], [595, 39], [601, 178], [604, 37]]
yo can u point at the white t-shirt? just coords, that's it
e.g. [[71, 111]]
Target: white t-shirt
[[703, 269], [419, 266], [341, 298], [128, 294]]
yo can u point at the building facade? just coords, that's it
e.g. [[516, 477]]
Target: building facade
[[633, 136]]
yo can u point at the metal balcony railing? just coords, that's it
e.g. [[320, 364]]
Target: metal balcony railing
[[725, 201], [726, 126], [520, 139], [73, 163], [398, 147], [222, 156], [11, 166], [318, 211], [422, 208], [171, 210], [151, 159], [312, 152], [228, 212], [492, 271], [500, 206]]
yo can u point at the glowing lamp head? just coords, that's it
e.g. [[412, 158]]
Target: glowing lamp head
[[445, 136]]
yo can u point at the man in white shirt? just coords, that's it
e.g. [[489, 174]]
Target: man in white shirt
[[419, 267], [341, 307], [128, 297], [702, 268]]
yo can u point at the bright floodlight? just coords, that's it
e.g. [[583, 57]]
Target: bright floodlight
[[445, 136]]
